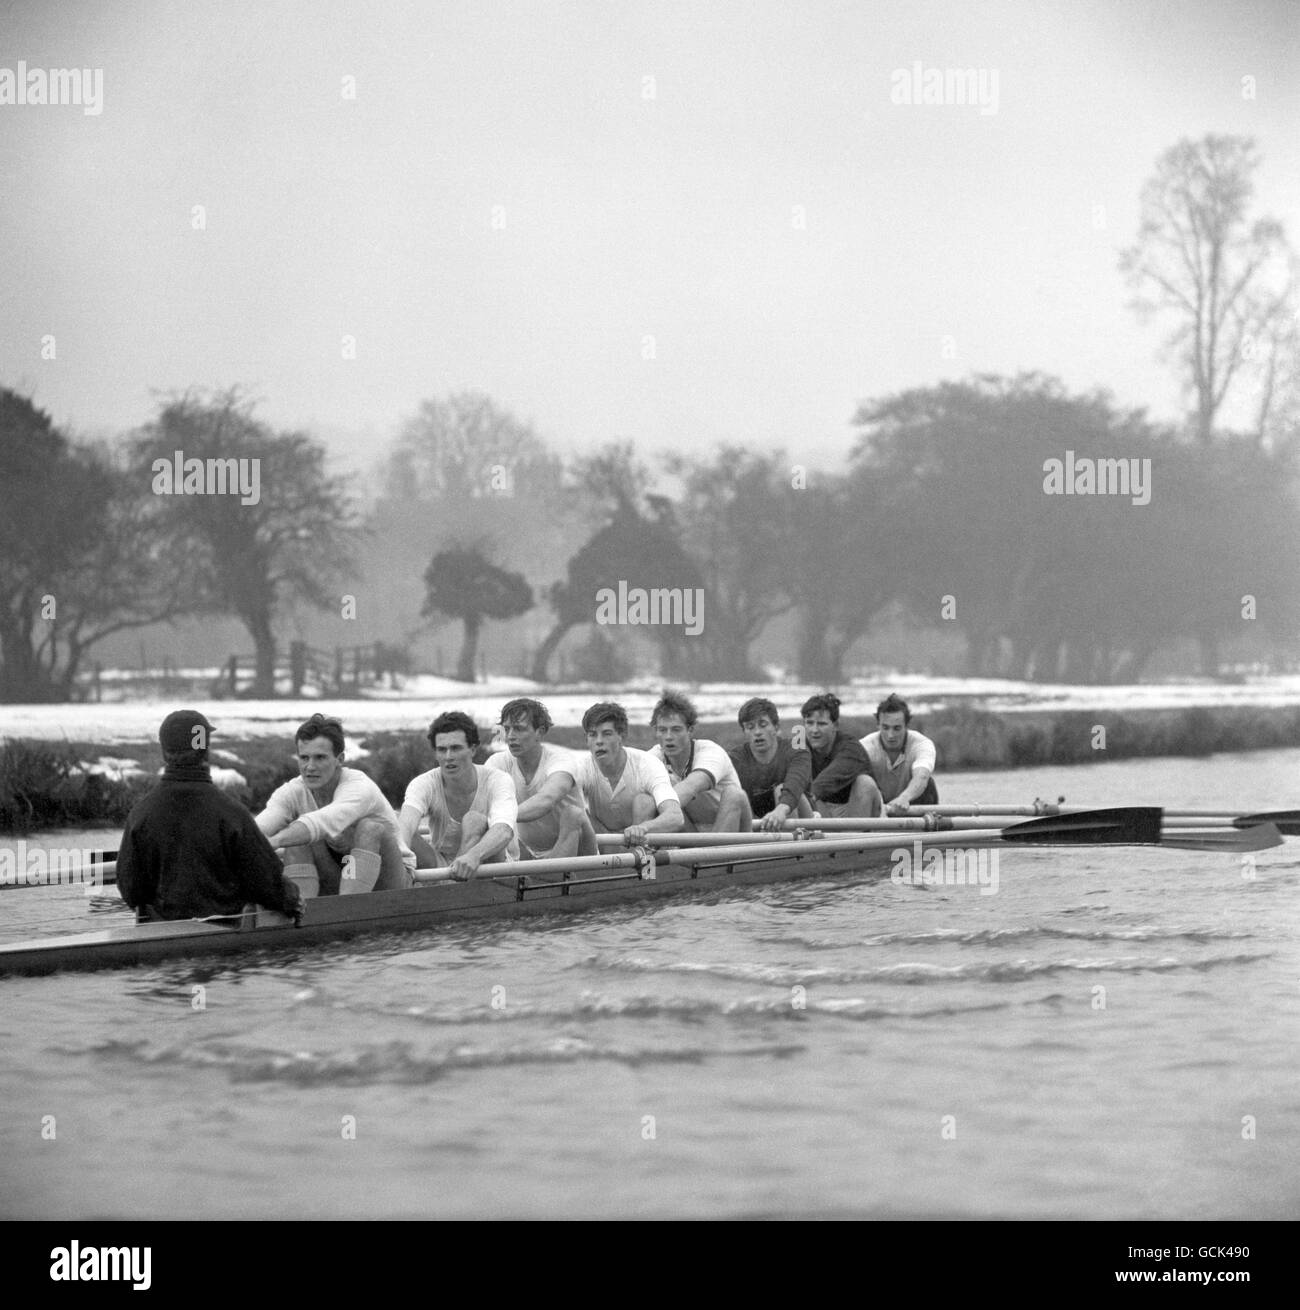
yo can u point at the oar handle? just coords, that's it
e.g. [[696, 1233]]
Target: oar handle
[[518, 868], [900, 823], [671, 840], [1038, 810]]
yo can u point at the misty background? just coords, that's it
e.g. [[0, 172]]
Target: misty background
[[508, 279]]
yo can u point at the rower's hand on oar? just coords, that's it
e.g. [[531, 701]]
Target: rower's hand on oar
[[464, 867], [773, 819], [636, 834], [897, 809]]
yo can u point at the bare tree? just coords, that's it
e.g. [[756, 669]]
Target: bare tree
[[1199, 256], [465, 447]]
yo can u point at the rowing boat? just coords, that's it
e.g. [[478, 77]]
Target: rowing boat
[[661, 867], [334, 918]]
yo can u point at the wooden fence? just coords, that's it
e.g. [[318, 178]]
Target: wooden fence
[[343, 671]]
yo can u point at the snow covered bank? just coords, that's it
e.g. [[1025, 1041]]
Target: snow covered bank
[[421, 698]]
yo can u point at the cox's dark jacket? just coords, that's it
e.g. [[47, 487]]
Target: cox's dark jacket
[[190, 851]]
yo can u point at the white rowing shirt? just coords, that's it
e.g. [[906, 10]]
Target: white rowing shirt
[[554, 759], [708, 757], [611, 806], [893, 776], [494, 798], [357, 796]]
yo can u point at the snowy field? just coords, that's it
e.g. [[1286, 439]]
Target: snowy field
[[420, 699]]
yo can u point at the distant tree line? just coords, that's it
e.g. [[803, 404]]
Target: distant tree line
[[946, 510]]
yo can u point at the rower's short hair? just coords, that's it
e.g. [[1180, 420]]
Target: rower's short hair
[[322, 725], [673, 702], [524, 708], [173, 758], [825, 702], [755, 708], [454, 721], [606, 711], [894, 704]]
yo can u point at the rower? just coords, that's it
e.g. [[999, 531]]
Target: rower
[[627, 790], [189, 850], [842, 785], [773, 774], [552, 818], [902, 761], [701, 772], [334, 827], [471, 809]]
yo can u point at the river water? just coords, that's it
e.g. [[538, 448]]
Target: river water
[[1113, 1034]]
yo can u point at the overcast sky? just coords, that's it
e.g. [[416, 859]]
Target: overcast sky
[[530, 199]]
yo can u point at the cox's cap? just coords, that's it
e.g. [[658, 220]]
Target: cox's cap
[[185, 730]]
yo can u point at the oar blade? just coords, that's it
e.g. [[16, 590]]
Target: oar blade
[[1136, 825], [1260, 837], [1287, 822]]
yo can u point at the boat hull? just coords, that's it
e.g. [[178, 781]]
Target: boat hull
[[335, 918]]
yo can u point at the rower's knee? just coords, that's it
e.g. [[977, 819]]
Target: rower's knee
[[733, 813], [369, 835], [702, 814], [374, 837], [643, 809], [864, 796], [574, 836], [587, 843]]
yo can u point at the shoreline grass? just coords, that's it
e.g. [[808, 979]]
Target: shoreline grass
[[43, 784]]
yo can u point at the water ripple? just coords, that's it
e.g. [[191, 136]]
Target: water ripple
[[399, 1062], [912, 971], [1002, 936]]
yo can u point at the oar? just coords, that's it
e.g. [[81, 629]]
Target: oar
[[1260, 837], [901, 823], [1287, 822], [1124, 826], [791, 827], [83, 875], [682, 840], [1136, 826], [735, 853], [516, 868], [1038, 810], [1116, 826], [614, 840]]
